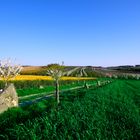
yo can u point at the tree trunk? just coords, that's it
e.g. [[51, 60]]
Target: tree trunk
[[57, 92], [5, 83]]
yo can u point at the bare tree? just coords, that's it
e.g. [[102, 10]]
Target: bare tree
[[56, 71], [8, 70]]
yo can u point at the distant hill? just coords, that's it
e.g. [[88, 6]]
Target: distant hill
[[33, 70], [92, 71], [126, 68], [42, 70]]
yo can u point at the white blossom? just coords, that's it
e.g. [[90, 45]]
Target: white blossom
[[9, 70]]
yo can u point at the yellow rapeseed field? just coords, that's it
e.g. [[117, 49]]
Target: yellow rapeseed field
[[35, 77]]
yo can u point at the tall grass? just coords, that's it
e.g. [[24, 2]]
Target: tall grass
[[109, 112]]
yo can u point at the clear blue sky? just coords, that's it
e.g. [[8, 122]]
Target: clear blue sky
[[78, 32]]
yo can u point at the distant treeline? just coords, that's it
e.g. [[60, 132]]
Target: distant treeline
[[128, 68]]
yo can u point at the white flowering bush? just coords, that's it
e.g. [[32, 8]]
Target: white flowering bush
[[8, 70]]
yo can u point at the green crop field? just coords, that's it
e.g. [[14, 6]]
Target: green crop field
[[27, 94], [110, 112]]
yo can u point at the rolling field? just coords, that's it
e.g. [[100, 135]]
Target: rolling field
[[108, 112], [32, 83], [48, 78]]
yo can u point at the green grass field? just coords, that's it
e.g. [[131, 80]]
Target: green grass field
[[50, 88], [110, 112], [33, 93]]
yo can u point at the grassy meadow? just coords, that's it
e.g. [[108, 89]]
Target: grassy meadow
[[95, 108], [111, 111]]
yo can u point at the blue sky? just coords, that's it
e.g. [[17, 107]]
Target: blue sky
[[78, 32]]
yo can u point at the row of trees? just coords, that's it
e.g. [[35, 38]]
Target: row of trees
[[9, 70]]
